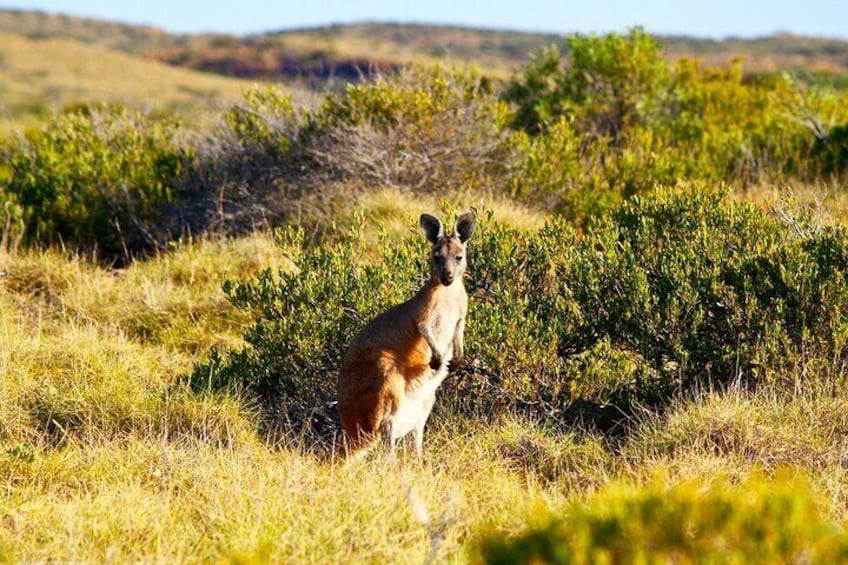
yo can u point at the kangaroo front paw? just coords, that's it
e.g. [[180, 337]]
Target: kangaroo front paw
[[454, 364], [435, 362]]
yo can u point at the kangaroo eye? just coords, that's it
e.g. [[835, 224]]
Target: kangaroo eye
[[459, 257]]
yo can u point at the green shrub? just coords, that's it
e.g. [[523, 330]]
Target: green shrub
[[667, 292], [616, 120], [251, 165], [612, 82], [757, 521], [305, 317], [98, 179], [711, 288], [424, 129], [831, 149], [580, 179], [265, 125], [538, 94]]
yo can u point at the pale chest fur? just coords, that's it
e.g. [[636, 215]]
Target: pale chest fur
[[444, 309]]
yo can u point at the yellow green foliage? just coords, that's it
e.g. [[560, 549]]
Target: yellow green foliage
[[757, 521], [618, 120], [425, 129], [99, 178]]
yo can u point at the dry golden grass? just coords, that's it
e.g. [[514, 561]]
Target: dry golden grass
[[43, 76], [396, 211], [106, 457], [150, 499], [174, 299], [827, 200]]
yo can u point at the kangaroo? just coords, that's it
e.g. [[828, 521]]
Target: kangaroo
[[389, 376]]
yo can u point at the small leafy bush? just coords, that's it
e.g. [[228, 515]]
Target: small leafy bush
[[711, 288], [758, 521], [614, 119], [831, 149], [422, 129], [266, 124], [612, 82], [99, 179], [250, 165]]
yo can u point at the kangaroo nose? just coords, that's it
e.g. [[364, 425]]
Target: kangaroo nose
[[447, 278]]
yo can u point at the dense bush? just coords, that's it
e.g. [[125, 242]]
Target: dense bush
[[422, 129], [306, 317], [711, 287], [612, 82], [617, 119], [667, 292], [248, 167], [754, 522], [98, 178]]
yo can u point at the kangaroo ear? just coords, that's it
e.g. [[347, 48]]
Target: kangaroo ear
[[465, 226], [432, 227]]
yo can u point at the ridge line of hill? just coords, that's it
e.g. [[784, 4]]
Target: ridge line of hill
[[314, 55]]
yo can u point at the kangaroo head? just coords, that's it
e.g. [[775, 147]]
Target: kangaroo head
[[448, 254]]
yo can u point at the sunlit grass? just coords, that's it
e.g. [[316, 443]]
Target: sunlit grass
[[40, 77], [105, 456], [174, 299]]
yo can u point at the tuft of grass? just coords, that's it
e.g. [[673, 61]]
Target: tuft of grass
[[576, 461], [195, 502], [395, 212], [174, 299], [735, 432], [81, 384]]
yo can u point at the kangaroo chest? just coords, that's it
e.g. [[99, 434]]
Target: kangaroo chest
[[443, 325], [444, 311]]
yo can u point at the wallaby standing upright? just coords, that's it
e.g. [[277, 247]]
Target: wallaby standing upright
[[388, 381]]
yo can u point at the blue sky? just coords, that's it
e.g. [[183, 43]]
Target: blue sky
[[704, 18]]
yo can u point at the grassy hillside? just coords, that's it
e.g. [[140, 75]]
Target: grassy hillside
[[41, 76], [313, 56], [120, 37]]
